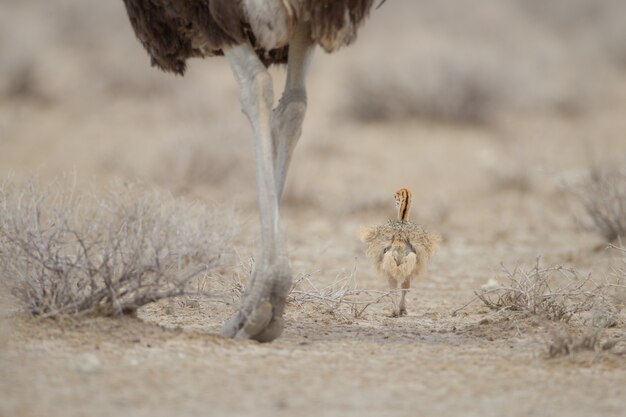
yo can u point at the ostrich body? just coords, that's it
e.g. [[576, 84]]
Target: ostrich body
[[253, 34], [400, 249]]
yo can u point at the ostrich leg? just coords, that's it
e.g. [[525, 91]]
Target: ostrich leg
[[288, 116], [276, 134], [260, 315]]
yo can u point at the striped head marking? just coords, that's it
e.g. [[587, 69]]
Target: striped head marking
[[403, 204]]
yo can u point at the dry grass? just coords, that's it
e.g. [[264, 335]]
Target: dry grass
[[565, 341], [603, 194], [73, 253], [342, 297], [619, 295], [555, 293], [558, 294]]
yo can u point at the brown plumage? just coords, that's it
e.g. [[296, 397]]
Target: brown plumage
[[173, 31], [400, 249]]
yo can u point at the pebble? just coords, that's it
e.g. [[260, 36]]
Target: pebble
[[88, 363]]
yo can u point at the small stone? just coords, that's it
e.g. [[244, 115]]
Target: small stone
[[491, 284], [88, 363]]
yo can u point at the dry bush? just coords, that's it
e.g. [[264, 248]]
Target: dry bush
[[603, 194], [449, 92], [583, 308], [72, 253], [555, 293], [510, 55], [341, 295], [564, 341]]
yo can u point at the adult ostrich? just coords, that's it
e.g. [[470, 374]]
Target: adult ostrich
[[253, 34]]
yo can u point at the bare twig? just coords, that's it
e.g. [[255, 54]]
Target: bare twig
[[343, 291]]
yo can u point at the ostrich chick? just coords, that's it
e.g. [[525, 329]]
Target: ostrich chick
[[400, 250]]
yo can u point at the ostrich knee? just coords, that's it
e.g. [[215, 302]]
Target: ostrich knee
[[287, 121]]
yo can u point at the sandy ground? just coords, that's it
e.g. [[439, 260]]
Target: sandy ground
[[494, 191]]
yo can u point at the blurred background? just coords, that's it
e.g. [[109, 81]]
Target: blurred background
[[490, 111], [430, 87]]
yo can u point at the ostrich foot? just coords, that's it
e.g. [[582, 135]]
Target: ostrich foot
[[261, 325], [398, 312], [260, 317]]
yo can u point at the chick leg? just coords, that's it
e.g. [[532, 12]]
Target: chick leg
[[406, 284], [393, 286]]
